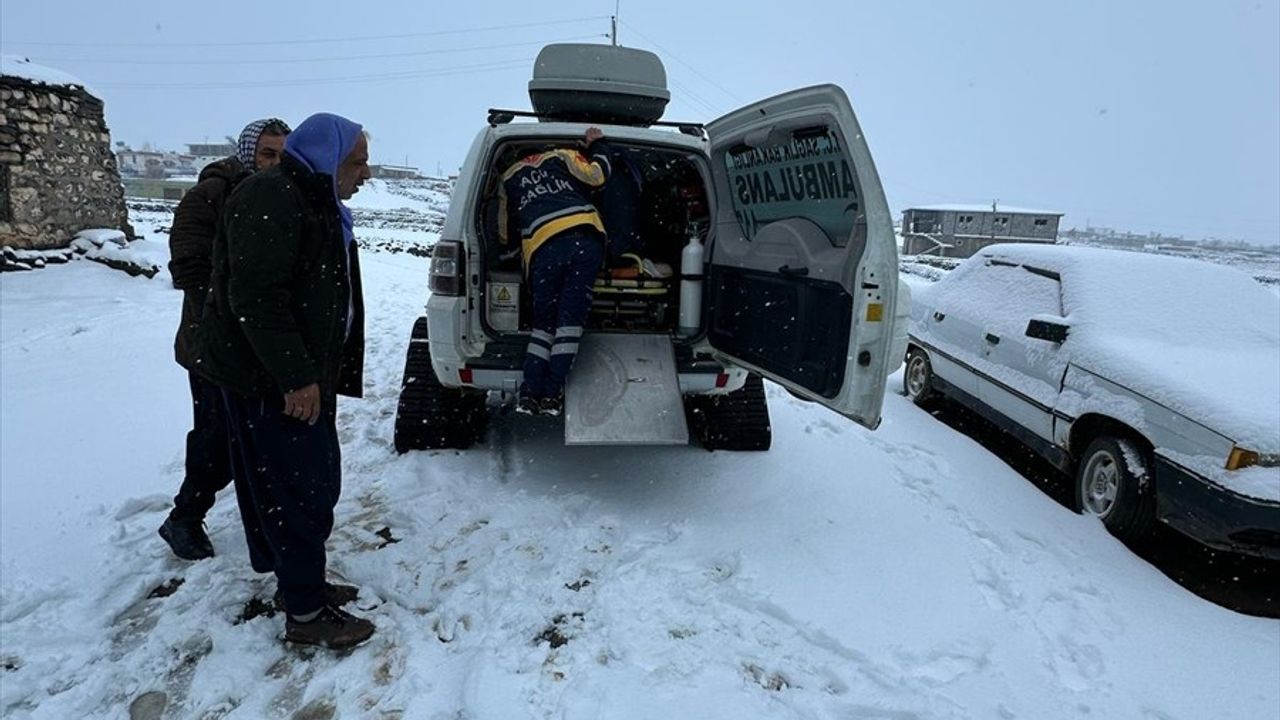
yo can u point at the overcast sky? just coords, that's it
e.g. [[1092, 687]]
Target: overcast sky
[[1161, 115]]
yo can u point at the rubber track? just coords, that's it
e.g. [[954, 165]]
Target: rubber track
[[736, 421], [430, 415]]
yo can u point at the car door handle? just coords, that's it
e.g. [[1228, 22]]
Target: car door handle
[[993, 339], [796, 272], [939, 317]]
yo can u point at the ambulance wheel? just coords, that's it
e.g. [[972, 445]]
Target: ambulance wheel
[[736, 421], [431, 416]]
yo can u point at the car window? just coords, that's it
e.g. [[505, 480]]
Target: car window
[[1001, 296], [806, 174]]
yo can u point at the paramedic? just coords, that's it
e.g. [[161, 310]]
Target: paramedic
[[543, 198]]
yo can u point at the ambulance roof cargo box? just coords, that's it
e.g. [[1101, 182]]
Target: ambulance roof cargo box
[[579, 82]]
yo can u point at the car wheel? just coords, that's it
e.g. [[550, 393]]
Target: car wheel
[[917, 378], [1113, 482]]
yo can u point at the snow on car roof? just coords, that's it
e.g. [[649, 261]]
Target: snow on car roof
[[1200, 338], [20, 67], [1148, 293]]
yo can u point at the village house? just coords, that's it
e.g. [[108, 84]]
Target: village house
[[959, 231]]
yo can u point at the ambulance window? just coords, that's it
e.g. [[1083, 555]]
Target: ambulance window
[[806, 173]]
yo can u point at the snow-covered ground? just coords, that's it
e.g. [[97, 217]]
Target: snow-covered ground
[[900, 574]]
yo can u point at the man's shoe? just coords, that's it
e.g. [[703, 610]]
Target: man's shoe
[[334, 594], [332, 628], [187, 538]]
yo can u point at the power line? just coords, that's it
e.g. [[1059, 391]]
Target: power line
[[343, 58], [687, 94], [376, 77], [675, 57], [349, 38]]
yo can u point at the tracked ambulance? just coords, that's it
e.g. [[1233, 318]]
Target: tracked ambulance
[[758, 246]]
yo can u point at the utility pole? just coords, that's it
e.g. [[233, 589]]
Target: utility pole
[[613, 20]]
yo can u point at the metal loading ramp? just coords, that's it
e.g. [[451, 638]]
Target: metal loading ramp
[[624, 390]]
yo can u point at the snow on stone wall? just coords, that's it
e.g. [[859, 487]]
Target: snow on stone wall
[[57, 173]]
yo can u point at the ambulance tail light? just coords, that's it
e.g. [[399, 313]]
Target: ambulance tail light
[[447, 268]]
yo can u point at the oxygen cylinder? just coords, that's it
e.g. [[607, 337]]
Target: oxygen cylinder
[[691, 287]]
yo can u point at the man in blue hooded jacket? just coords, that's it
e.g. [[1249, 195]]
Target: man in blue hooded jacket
[[283, 335]]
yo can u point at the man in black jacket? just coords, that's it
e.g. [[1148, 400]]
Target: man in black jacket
[[283, 336], [208, 467]]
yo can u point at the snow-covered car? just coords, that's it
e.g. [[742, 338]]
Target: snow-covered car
[[793, 275], [1155, 380]]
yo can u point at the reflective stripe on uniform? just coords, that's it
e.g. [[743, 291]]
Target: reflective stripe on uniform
[[530, 229], [555, 227]]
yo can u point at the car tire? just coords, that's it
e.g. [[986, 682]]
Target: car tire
[[1113, 482], [917, 378], [431, 416]]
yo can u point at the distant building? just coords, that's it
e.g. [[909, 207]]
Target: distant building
[[961, 230], [217, 150], [136, 162], [58, 175], [200, 154], [394, 172]]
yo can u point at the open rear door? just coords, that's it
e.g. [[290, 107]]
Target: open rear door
[[803, 272]]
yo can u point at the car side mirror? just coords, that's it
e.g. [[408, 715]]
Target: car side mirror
[[1054, 332]]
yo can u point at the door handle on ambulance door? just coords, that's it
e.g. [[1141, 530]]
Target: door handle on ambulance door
[[795, 272], [937, 316], [993, 339]]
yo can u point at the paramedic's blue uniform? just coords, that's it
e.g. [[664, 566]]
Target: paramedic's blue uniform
[[562, 242]]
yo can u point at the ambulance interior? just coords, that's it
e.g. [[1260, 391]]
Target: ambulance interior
[[652, 205]]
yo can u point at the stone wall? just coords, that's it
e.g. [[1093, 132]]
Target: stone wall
[[57, 172]]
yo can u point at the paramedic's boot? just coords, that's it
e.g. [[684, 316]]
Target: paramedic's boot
[[553, 405], [187, 538], [527, 405], [328, 627], [533, 405], [334, 594]]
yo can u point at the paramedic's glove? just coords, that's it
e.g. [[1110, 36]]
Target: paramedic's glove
[[593, 134]]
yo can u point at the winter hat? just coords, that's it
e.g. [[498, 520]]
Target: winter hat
[[247, 146]]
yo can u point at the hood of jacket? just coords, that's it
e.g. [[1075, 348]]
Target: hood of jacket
[[321, 143]]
